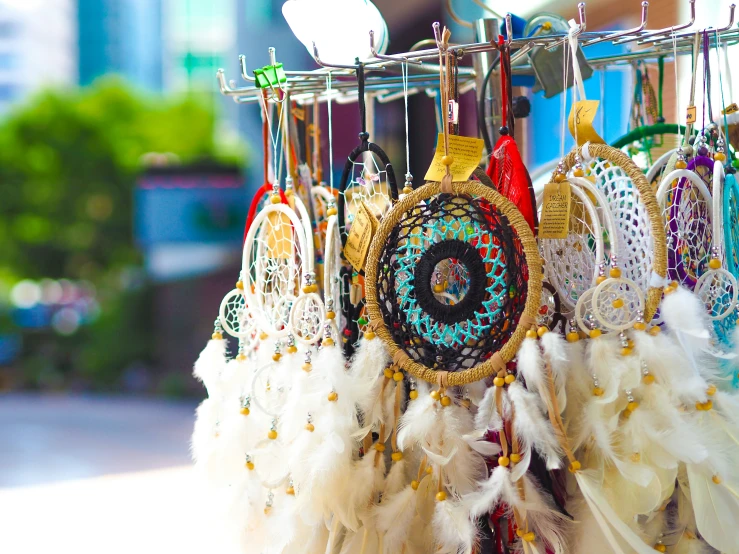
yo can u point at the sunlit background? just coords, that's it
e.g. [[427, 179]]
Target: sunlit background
[[125, 177]]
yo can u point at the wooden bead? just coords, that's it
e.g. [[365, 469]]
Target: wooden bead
[[716, 479], [272, 435], [440, 496], [414, 485], [413, 394], [654, 331], [660, 548], [389, 373], [446, 401], [558, 178], [509, 379], [573, 336], [380, 447], [333, 396], [263, 335], [595, 333], [332, 211], [711, 390], [435, 394], [328, 341], [499, 381], [515, 458], [615, 272], [447, 160], [640, 326], [217, 336], [276, 356], [398, 376], [290, 491], [504, 461], [310, 427], [244, 411], [307, 367], [681, 164], [631, 406], [600, 279], [715, 263], [332, 315], [529, 537], [250, 465], [240, 285], [396, 456], [719, 156], [542, 330], [597, 391], [275, 199], [578, 172], [531, 334], [369, 334], [240, 358], [292, 349], [626, 351], [636, 457], [618, 303], [575, 466], [648, 379]]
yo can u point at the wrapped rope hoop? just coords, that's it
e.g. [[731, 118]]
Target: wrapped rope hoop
[[648, 200], [495, 361]]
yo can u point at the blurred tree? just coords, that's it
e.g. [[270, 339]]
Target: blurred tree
[[68, 167]]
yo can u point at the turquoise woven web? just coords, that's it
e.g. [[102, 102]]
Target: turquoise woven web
[[731, 224]]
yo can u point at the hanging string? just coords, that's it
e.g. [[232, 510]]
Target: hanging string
[[274, 137], [680, 137], [565, 75], [404, 74], [661, 86], [578, 87], [364, 135], [443, 76], [330, 135], [724, 132], [706, 80]]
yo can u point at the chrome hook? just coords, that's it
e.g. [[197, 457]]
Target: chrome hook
[[244, 71], [327, 65], [732, 9], [228, 89], [509, 27], [662, 32], [580, 28], [401, 59], [629, 32]]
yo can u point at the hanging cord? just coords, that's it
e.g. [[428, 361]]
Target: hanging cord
[[725, 131], [660, 89], [408, 176], [443, 44], [706, 80], [274, 137], [696, 55], [363, 135], [508, 121], [680, 138], [579, 88], [565, 75], [330, 135], [651, 108]]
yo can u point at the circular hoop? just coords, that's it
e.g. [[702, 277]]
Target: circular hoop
[[731, 223], [531, 254], [648, 200], [604, 305], [270, 463], [307, 317], [717, 289], [584, 310], [234, 315]]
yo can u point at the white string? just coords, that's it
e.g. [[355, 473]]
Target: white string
[[330, 135], [404, 73], [576, 77], [727, 71], [720, 86], [565, 74], [677, 90], [277, 161]]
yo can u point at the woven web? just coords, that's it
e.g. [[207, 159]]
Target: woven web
[[633, 226], [571, 261], [731, 223], [427, 334], [645, 151], [368, 184], [717, 291], [275, 270], [724, 329], [689, 233], [617, 304], [234, 316]]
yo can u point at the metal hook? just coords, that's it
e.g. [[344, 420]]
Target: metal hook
[[327, 65], [244, 70], [509, 28], [629, 32], [379, 56], [661, 32], [455, 17], [732, 9], [229, 90], [580, 28]]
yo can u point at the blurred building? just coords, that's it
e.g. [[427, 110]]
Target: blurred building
[[38, 46], [122, 37]]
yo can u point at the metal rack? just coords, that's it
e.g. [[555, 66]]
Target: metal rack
[[383, 79]]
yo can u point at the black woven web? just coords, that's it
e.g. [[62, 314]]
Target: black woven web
[[445, 327]]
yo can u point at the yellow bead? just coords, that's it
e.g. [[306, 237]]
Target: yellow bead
[[648, 379], [595, 333], [575, 466], [275, 199], [240, 358], [558, 178], [240, 285], [438, 288], [407, 189], [332, 211], [597, 391], [529, 537], [292, 349], [380, 447], [307, 367], [615, 272], [716, 479], [681, 164], [398, 376], [504, 461], [447, 160], [515, 458], [660, 548], [272, 435], [600, 279], [499, 381], [618, 303], [244, 411], [331, 315], [531, 334], [573, 336], [719, 156], [541, 331], [290, 491], [217, 336], [276, 356], [636, 457], [263, 335], [640, 326], [328, 341], [414, 485], [389, 373], [626, 351], [306, 289], [466, 403], [429, 470], [708, 405], [440, 496], [578, 172], [435, 394], [654, 331], [333, 396], [396, 456], [267, 510], [510, 378], [711, 390], [250, 465], [369, 334], [446, 401], [413, 394], [715, 263], [631, 406], [310, 427]]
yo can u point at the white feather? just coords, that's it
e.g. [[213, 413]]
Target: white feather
[[550, 526], [495, 489], [396, 478], [530, 366], [716, 510], [393, 517], [210, 364], [555, 350], [356, 497], [487, 417], [531, 427], [417, 422], [454, 532]]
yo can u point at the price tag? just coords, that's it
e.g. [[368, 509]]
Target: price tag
[[730, 109], [466, 151], [360, 236], [555, 211], [453, 112], [583, 114], [691, 116]]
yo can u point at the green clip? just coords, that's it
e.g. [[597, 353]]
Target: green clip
[[270, 76]]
